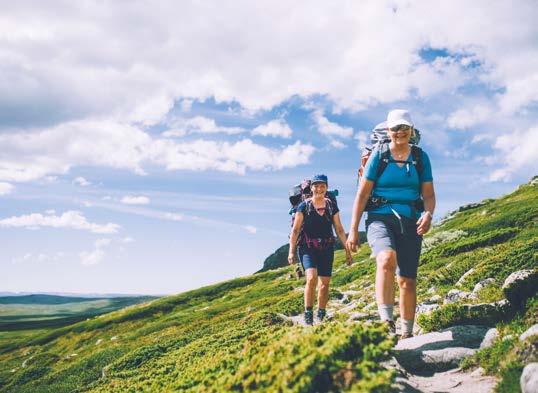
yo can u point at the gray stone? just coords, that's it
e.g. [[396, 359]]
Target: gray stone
[[426, 308], [489, 313], [359, 316], [529, 378], [345, 299], [435, 299], [520, 285], [464, 277], [490, 337], [483, 284], [453, 381], [478, 372], [439, 351], [532, 331], [455, 295]]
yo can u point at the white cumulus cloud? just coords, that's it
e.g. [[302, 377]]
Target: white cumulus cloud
[[81, 181], [173, 216], [6, 188], [96, 255], [135, 200], [235, 157], [31, 156], [250, 229], [468, 117], [516, 151], [338, 145], [329, 128], [199, 124], [68, 220], [277, 127]]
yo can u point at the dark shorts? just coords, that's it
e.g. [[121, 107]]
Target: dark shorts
[[322, 260], [384, 233]]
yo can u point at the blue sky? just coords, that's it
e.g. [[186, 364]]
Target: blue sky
[[150, 150]]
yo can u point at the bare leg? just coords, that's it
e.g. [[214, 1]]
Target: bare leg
[[408, 297], [310, 287], [323, 291], [384, 277]]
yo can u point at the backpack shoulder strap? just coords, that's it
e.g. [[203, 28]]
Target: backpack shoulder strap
[[309, 206], [329, 206], [384, 157], [416, 154]]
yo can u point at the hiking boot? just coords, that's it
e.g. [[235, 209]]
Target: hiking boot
[[391, 326], [321, 314], [309, 317], [405, 335]]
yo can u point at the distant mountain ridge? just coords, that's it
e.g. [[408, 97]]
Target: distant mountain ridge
[[44, 299], [80, 295]]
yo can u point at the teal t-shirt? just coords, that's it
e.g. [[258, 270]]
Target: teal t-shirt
[[397, 183]]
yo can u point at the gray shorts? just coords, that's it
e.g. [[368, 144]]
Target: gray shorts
[[383, 232]]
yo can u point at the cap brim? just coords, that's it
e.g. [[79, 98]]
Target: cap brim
[[398, 122]]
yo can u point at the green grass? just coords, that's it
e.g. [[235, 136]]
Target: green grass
[[231, 336]]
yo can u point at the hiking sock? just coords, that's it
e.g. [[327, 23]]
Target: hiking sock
[[385, 311], [407, 327], [309, 309]]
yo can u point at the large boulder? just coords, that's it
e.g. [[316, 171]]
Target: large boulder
[[529, 378], [520, 285], [483, 283], [464, 277], [532, 331], [439, 351], [455, 295], [424, 308], [489, 339]]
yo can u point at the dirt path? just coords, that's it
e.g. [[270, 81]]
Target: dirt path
[[453, 381]]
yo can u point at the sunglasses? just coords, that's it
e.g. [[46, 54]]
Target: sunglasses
[[400, 127]]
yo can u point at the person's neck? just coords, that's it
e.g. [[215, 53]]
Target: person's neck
[[399, 148], [318, 198]]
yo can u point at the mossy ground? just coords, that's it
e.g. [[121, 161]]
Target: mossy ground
[[230, 337]]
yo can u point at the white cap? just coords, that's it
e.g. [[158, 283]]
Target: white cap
[[397, 117]]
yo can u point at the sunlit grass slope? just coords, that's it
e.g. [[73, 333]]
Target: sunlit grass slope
[[232, 336]]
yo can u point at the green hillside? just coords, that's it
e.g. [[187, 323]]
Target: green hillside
[[236, 335], [21, 316]]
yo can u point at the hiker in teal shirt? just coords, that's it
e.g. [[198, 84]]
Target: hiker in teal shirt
[[397, 191], [397, 183]]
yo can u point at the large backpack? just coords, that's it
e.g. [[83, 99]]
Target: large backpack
[[379, 139]]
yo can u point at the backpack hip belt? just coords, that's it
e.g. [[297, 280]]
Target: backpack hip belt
[[318, 243], [375, 202]]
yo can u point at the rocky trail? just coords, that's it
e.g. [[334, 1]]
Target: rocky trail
[[429, 363]]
